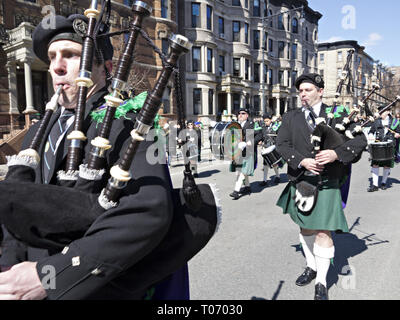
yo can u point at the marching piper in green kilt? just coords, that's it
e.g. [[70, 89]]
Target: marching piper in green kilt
[[312, 197], [246, 162]]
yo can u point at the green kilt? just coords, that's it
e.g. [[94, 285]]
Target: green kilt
[[327, 213], [246, 165]]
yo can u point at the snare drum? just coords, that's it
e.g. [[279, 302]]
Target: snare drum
[[271, 156], [225, 137], [381, 151]]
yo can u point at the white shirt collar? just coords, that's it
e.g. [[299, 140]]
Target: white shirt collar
[[315, 107]]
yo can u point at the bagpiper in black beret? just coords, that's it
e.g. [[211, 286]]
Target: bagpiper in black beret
[[72, 28], [313, 78]]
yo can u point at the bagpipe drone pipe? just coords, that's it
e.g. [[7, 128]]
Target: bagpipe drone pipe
[[51, 216]]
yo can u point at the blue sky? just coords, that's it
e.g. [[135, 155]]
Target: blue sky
[[373, 24]]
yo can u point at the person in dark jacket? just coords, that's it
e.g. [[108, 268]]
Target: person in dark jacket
[[97, 265], [312, 197]]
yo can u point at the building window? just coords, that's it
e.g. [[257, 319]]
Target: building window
[[209, 18], [236, 31], [280, 22], [281, 49], [246, 33], [236, 67], [321, 72], [294, 77], [246, 4], [339, 56], [196, 59], [265, 8], [196, 101], [281, 77], [271, 23], [294, 51], [270, 45], [321, 58], [265, 41], [295, 25], [236, 102], [265, 79], [256, 72], [270, 77], [164, 8], [195, 15], [339, 73], [236, 3], [246, 69], [256, 8], [256, 100], [221, 27], [164, 45], [221, 64], [306, 35], [209, 59], [256, 39], [210, 101], [306, 58], [294, 102]]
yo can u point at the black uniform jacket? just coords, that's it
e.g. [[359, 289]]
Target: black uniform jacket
[[96, 266], [378, 128], [294, 144]]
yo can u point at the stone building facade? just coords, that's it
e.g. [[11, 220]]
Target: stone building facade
[[364, 71], [24, 80], [247, 53]]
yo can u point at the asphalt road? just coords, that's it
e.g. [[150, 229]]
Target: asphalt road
[[255, 253]]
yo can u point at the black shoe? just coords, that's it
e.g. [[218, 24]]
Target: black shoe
[[246, 190], [383, 186], [372, 188], [235, 195], [321, 292], [263, 183], [306, 277]]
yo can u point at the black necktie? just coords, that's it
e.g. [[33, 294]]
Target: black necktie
[[311, 119], [58, 129]]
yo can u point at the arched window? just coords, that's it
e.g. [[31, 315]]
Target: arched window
[[306, 35], [295, 25]]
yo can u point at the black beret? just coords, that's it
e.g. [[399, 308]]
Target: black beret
[[243, 110], [72, 28], [267, 116], [313, 78]]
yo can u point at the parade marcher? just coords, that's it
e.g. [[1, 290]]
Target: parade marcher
[[191, 146], [383, 129], [269, 134], [395, 126], [198, 127], [119, 238], [245, 167], [317, 172]]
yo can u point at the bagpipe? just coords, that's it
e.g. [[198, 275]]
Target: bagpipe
[[50, 216]]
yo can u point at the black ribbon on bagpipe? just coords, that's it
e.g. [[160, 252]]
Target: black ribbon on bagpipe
[[52, 216]]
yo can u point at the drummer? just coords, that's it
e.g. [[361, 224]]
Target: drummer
[[245, 167], [191, 147], [382, 131], [269, 133]]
